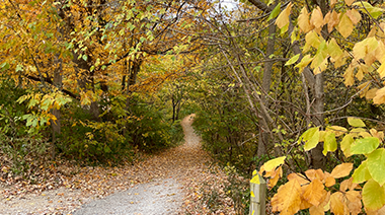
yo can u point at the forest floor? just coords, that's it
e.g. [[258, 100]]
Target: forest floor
[[181, 174]]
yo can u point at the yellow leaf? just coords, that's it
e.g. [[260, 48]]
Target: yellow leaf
[[314, 193], [272, 164], [342, 170], [312, 40], [303, 21], [346, 145], [292, 60], [345, 26], [283, 18], [381, 70], [304, 62], [318, 65], [288, 198], [334, 50], [337, 130], [354, 15], [380, 96], [317, 18], [360, 74], [349, 76]]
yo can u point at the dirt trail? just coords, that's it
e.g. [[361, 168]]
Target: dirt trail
[[161, 181]]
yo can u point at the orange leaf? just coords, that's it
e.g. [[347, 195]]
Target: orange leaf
[[342, 170], [317, 18], [288, 198], [316, 210], [315, 174], [330, 181], [349, 2], [300, 178], [315, 192], [337, 204]]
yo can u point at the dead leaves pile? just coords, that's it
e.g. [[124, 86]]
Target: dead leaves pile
[[65, 186]]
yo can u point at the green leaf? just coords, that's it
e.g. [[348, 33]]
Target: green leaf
[[292, 60], [275, 12], [374, 11], [330, 143], [272, 164], [355, 122], [376, 165], [365, 145], [4, 66], [373, 195], [361, 174], [85, 57], [311, 138]]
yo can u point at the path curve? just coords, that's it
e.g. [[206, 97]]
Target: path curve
[[162, 196]]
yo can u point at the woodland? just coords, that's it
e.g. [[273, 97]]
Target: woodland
[[293, 90]]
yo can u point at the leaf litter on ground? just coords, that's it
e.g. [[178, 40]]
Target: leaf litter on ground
[[64, 187]]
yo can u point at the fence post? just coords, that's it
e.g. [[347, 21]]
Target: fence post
[[258, 195]]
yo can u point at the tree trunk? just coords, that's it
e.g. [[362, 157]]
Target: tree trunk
[[264, 141], [56, 125]]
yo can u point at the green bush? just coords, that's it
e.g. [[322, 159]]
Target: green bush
[[18, 147], [86, 140]]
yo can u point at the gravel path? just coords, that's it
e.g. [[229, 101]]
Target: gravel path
[[163, 197], [166, 183], [157, 198]]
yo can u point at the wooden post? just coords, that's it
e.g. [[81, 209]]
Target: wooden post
[[258, 195]]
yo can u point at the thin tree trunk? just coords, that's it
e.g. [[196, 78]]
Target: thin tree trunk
[[266, 83], [56, 125]]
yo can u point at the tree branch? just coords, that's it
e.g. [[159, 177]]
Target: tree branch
[[48, 80]]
